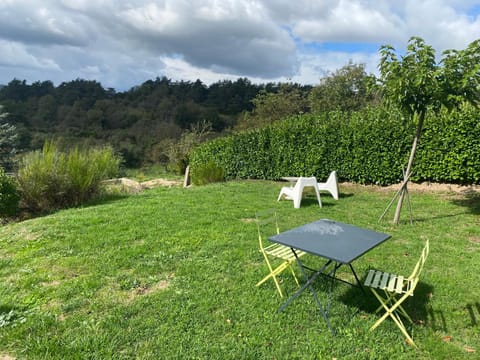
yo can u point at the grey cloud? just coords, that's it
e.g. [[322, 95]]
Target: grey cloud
[[123, 43], [240, 42], [31, 24], [236, 37], [15, 55]]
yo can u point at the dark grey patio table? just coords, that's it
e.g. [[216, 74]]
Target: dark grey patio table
[[337, 242]]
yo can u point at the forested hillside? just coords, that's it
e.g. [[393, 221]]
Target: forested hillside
[[137, 123]]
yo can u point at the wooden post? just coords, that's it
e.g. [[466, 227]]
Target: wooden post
[[403, 190], [186, 180]]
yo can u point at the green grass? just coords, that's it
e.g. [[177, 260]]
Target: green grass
[[170, 274]]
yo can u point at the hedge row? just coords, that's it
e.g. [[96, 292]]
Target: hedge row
[[367, 147]]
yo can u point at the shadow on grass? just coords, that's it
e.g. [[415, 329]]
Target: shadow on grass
[[474, 313], [415, 219], [327, 201], [106, 199], [419, 306], [471, 200], [312, 201], [9, 315], [345, 195], [347, 301], [26, 214]]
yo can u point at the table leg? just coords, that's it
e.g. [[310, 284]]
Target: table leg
[[308, 284], [356, 278], [331, 275]]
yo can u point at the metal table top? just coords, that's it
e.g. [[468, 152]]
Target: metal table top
[[331, 239]]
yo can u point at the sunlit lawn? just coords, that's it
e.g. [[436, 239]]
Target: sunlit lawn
[[170, 273]]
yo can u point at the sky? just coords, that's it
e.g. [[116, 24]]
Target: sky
[[123, 43]]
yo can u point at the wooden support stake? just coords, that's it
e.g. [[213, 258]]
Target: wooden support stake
[[186, 180]]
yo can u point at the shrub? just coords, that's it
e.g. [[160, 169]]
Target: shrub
[[364, 147], [449, 148], [51, 179], [9, 196], [178, 152], [368, 147], [208, 173]]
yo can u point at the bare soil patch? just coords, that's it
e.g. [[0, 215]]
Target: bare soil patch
[[425, 187], [6, 357], [474, 239], [134, 187], [159, 182]]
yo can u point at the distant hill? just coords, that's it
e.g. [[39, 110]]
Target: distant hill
[[139, 123]]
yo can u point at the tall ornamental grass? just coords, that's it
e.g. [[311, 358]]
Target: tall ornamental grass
[[51, 179]]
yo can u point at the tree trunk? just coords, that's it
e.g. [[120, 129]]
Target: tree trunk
[[406, 176]]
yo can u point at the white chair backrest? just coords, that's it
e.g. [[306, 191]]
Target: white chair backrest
[[332, 178], [331, 185]]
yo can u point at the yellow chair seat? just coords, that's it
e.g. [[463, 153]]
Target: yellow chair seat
[[282, 252]]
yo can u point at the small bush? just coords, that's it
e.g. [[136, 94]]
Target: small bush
[[178, 153], [208, 173], [9, 196], [50, 179]]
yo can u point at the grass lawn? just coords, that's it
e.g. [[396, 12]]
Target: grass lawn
[[170, 273]]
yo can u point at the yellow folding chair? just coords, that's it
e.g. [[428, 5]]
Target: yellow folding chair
[[396, 289], [267, 225]]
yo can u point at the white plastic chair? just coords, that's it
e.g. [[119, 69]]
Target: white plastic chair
[[295, 193], [331, 185]]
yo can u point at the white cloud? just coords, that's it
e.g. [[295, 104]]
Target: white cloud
[[179, 69], [153, 19], [350, 21], [444, 27], [124, 43], [314, 67], [16, 55]]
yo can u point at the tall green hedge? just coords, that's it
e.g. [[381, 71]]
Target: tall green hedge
[[367, 147], [450, 148]]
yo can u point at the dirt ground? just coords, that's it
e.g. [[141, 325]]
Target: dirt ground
[[427, 187], [132, 186], [135, 186]]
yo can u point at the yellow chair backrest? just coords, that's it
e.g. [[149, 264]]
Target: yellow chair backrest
[[267, 224], [420, 263]]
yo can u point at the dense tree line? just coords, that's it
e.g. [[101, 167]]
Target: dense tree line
[[135, 122], [143, 122]]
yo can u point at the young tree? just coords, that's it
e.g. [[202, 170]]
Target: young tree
[[345, 90], [269, 107], [178, 152], [416, 83]]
